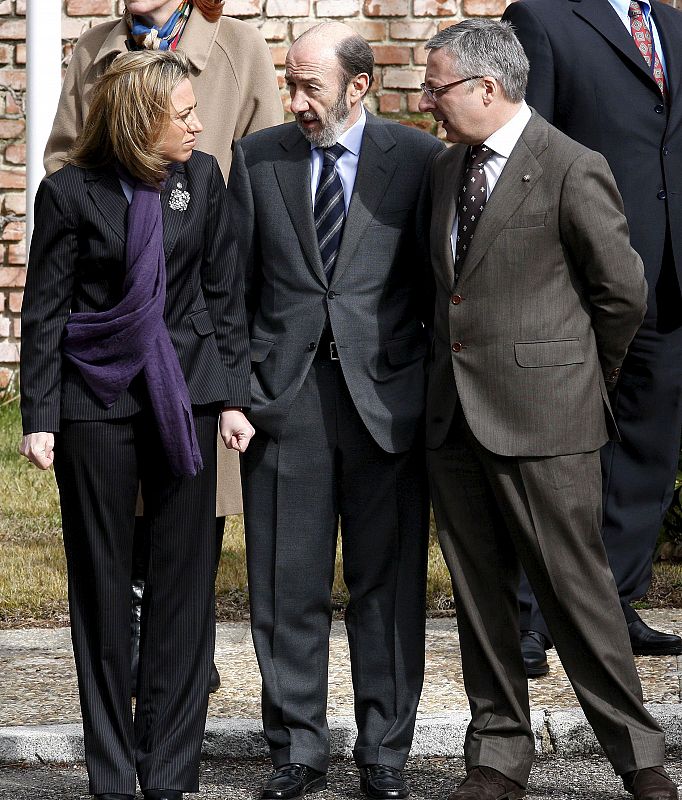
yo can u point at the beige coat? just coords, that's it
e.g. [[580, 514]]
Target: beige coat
[[236, 89]]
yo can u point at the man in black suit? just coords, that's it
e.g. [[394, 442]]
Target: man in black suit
[[330, 217], [619, 94]]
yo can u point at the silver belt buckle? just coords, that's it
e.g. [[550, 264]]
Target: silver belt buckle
[[333, 352]]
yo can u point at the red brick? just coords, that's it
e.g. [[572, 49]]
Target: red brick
[[16, 325], [6, 53], [446, 23], [12, 277], [421, 124], [21, 7], [5, 327], [11, 105], [11, 128], [20, 54], [15, 203], [15, 154], [413, 102], [419, 54], [86, 8], [279, 55], [13, 232], [389, 103], [6, 376], [372, 30], [245, 8], [337, 8], [301, 27], [72, 28], [15, 301], [16, 253], [9, 352], [273, 30], [391, 54], [12, 178], [435, 8], [13, 78], [484, 8], [395, 78], [2, 302], [13, 30], [386, 8], [287, 8], [5, 7], [412, 30]]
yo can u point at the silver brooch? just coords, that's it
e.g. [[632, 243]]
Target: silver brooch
[[179, 199], [525, 178]]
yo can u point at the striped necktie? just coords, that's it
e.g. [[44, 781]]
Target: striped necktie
[[330, 210]]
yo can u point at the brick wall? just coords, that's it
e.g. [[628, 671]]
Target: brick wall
[[397, 30]]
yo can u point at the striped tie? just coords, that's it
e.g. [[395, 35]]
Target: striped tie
[[330, 211]]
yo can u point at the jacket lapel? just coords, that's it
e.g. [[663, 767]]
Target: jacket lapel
[[174, 217], [670, 41], [293, 177], [104, 189], [374, 173], [519, 176], [453, 163], [603, 18]]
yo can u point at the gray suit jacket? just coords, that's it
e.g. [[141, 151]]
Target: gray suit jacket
[[380, 295], [549, 298]]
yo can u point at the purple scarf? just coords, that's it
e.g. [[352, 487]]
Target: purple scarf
[[111, 347]]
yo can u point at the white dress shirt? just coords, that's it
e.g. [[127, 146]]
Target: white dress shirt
[[346, 164], [621, 8], [501, 142]]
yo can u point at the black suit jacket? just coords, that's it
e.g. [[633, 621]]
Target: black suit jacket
[[590, 81], [380, 296], [77, 263]]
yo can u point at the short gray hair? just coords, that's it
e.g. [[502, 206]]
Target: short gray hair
[[486, 47]]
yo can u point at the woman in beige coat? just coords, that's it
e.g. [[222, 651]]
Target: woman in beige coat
[[235, 85]]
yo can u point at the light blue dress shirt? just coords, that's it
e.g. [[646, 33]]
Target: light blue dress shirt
[[621, 8], [346, 164]]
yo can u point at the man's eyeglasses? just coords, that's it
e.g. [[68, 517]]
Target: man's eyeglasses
[[432, 93]]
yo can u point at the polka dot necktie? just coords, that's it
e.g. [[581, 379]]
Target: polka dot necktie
[[642, 37], [330, 209], [471, 201]]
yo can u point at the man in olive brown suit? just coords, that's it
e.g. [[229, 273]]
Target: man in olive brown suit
[[538, 296]]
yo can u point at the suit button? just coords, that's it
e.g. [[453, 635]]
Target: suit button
[[659, 109], [456, 299], [331, 295], [456, 347], [312, 346], [662, 195], [666, 151]]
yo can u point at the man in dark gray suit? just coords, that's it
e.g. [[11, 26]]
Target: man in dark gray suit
[[330, 216], [538, 294]]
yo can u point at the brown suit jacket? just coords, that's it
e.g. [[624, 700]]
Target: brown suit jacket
[[549, 298]]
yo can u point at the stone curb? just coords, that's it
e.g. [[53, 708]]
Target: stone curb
[[561, 733]]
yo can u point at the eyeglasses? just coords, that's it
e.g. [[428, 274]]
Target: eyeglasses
[[431, 93], [188, 119]]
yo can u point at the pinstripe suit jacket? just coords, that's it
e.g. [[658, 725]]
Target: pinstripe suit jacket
[[379, 296], [549, 297], [77, 263]]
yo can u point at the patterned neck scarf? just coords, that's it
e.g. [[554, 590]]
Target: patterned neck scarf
[[144, 37]]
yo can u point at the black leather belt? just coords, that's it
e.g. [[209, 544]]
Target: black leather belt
[[326, 349]]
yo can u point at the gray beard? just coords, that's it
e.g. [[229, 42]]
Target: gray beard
[[328, 135]]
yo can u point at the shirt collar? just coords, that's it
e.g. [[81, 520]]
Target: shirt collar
[[621, 8], [504, 139], [351, 139]]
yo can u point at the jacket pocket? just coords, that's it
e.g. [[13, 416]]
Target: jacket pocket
[[260, 349], [202, 322], [556, 353], [405, 350], [527, 221]]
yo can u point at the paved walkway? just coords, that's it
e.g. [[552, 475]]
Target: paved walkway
[[38, 688]]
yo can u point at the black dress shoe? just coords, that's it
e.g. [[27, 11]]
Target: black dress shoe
[[382, 782], [533, 646], [110, 796], [161, 794], [646, 641], [650, 784], [214, 680], [293, 780]]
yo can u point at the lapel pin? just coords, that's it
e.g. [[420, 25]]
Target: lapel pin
[[179, 199], [525, 178]]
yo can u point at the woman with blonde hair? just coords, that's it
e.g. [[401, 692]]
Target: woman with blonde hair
[[234, 81], [135, 350]]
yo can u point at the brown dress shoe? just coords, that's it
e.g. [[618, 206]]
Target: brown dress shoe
[[486, 783], [652, 783]]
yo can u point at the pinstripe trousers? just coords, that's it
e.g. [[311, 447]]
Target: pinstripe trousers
[[98, 466]]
